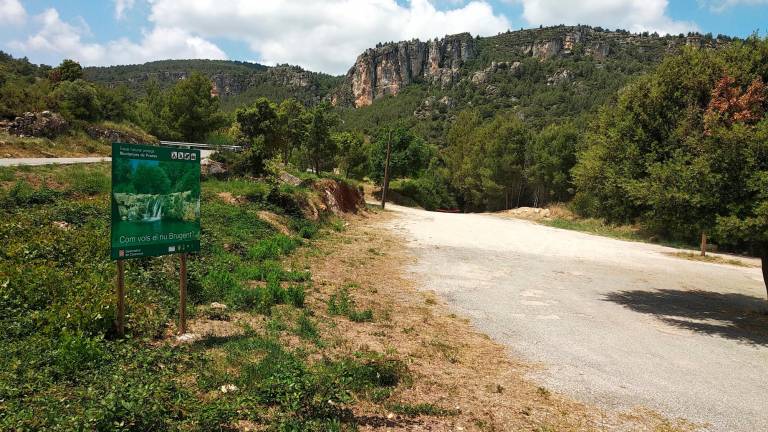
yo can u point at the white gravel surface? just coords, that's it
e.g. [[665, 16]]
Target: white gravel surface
[[51, 161], [69, 160], [614, 323]]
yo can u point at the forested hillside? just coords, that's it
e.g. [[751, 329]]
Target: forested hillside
[[235, 82]]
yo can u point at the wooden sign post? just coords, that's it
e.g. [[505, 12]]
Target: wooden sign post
[[386, 171], [120, 321], [183, 294]]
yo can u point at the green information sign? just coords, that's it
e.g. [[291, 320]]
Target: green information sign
[[155, 201]]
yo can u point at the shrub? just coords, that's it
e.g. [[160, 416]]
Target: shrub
[[217, 284], [89, 182], [305, 328], [24, 194], [273, 247], [340, 303], [361, 316], [295, 296]]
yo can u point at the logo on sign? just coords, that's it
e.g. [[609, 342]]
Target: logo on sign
[[183, 156]]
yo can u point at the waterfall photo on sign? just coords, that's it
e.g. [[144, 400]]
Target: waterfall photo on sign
[[155, 201]]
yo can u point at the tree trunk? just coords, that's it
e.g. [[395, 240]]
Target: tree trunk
[[764, 265], [703, 244]]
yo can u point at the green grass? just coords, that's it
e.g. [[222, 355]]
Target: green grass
[[74, 144], [422, 409], [596, 226], [621, 232], [62, 368], [341, 303]]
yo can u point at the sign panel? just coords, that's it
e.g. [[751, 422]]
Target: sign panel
[[155, 201]]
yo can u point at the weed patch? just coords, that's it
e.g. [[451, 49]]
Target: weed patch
[[340, 303], [422, 409]]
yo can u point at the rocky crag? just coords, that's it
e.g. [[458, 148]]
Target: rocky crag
[[387, 69]]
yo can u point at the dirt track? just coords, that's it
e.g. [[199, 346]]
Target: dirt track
[[615, 323]]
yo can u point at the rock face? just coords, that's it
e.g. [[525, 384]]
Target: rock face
[[387, 69], [334, 197], [43, 124]]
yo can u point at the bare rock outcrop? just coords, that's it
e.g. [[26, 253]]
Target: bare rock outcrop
[[387, 69], [39, 124]]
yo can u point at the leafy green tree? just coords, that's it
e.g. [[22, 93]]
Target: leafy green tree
[[410, 154], [685, 150], [68, 70], [151, 111], [353, 154], [653, 120], [77, 100], [320, 147], [293, 122], [260, 122], [487, 160], [191, 110], [551, 156], [115, 104]]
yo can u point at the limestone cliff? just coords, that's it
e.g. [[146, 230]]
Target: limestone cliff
[[387, 69]]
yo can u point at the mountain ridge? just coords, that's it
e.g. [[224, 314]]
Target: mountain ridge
[[388, 68]]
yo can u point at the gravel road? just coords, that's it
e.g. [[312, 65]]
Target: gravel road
[[68, 161], [52, 161], [614, 323]]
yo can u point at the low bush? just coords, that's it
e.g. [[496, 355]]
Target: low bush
[[340, 303]]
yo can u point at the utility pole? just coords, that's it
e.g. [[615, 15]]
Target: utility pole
[[386, 170]]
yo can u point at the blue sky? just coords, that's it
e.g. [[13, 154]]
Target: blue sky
[[322, 35]]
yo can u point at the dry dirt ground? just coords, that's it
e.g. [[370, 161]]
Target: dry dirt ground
[[451, 365], [454, 366]]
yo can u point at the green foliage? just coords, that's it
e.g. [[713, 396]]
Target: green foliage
[[68, 70], [341, 303], [186, 111], [430, 191], [305, 328], [273, 247], [77, 100], [410, 154], [275, 83], [293, 120], [260, 121], [353, 154], [191, 110], [487, 160], [304, 228], [422, 409], [665, 155], [320, 149]]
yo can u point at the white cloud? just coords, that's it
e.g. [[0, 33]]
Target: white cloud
[[59, 39], [632, 15], [12, 12], [121, 7], [721, 5], [324, 35]]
